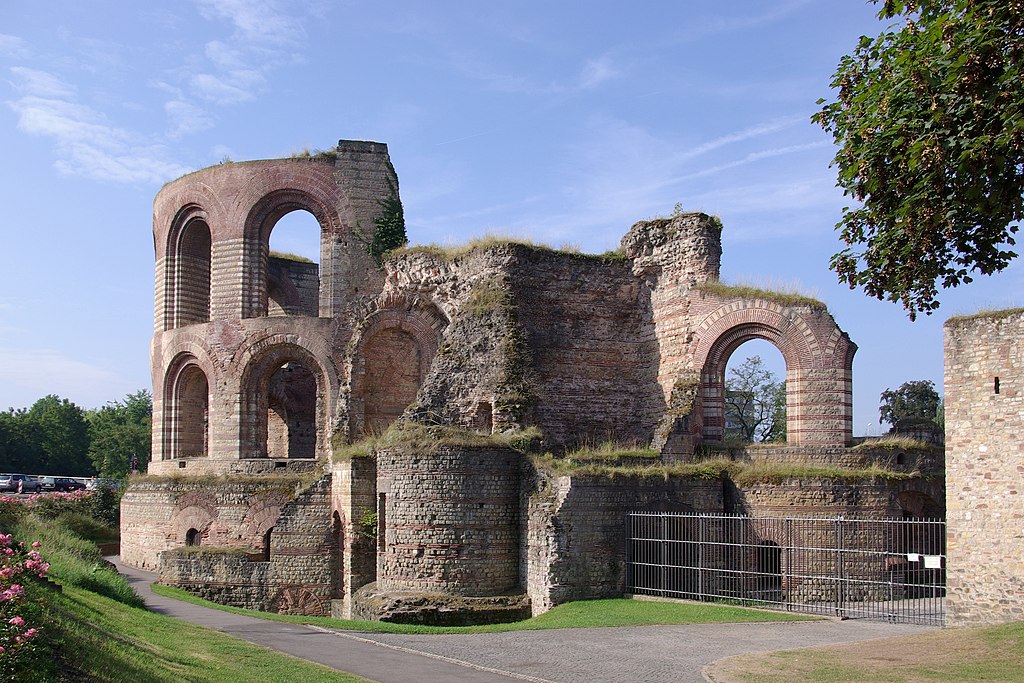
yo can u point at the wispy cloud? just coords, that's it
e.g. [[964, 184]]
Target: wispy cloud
[[13, 46], [738, 22], [591, 74], [86, 143]]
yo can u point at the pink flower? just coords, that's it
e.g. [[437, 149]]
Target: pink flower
[[16, 621], [36, 544]]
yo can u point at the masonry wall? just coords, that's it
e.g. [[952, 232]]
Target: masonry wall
[[574, 541], [984, 403], [157, 512], [448, 522], [587, 332]]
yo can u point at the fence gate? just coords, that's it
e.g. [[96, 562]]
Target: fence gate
[[891, 569]]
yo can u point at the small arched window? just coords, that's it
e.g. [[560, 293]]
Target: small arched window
[[192, 537]]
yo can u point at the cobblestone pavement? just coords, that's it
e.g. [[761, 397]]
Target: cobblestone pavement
[[652, 654]]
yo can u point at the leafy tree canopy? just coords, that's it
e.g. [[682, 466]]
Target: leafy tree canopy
[[916, 400], [119, 432], [51, 437], [929, 120], [755, 403]]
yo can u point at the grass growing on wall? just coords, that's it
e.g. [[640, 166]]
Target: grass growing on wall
[[490, 240], [785, 297], [426, 439]]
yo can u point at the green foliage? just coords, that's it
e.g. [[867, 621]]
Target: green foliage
[[388, 227], [288, 256], [915, 400], [120, 433], [930, 125], [581, 614], [493, 240], [366, 525], [51, 437], [755, 403]]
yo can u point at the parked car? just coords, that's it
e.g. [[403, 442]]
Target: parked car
[[50, 484], [18, 483]]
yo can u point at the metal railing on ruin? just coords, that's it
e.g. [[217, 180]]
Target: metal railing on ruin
[[889, 569]]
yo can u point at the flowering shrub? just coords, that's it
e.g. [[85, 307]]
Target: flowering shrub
[[18, 568]]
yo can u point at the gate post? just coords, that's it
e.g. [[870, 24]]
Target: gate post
[[840, 588]]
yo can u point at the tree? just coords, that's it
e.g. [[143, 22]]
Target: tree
[[388, 227], [120, 430], [51, 437], [916, 400], [755, 403], [929, 120]]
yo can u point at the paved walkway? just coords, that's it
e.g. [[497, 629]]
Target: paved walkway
[[654, 654]]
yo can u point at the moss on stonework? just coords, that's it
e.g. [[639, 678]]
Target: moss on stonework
[[741, 473], [450, 253], [487, 296], [288, 256], [895, 443], [725, 291], [289, 484], [421, 439], [985, 314]]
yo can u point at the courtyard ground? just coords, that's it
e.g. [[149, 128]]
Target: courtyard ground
[[653, 654]]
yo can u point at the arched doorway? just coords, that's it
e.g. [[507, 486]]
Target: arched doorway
[[285, 405], [293, 271], [754, 394]]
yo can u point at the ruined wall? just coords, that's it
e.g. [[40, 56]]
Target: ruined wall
[[574, 542], [584, 323], [157, 513], [984, 403], [293, 574], [227, 315], [448, 522]]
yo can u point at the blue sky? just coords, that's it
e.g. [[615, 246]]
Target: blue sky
[[562, 122]]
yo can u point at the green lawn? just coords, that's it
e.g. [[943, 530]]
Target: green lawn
[[582, 614], [100, 639]]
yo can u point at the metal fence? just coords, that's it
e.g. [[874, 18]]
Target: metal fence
[[891, 569]]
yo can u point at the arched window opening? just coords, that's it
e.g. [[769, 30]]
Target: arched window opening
[[190, 405], [394, 369], [192, 537], [290, 415], [191, 295], [266, 544], [293, 271], [753, 393]]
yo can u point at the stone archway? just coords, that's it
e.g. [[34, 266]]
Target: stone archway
[[819, 366], [392, 357]]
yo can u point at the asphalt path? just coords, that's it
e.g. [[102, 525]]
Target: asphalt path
[[653, 654]]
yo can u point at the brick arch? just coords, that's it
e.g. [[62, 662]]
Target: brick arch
[[185, 408], [193, 510], [172, 208], [261, 516], [277, 194], [819, 360], [261, 384], [393, 350]]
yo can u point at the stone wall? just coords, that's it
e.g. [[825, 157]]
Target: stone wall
[[448, 522], [293, 573], [574, 542], [158, 512], [984, 402]]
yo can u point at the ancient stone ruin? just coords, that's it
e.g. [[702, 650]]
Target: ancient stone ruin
[[270, 373]]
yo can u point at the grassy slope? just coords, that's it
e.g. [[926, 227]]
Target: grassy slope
[[101, 639], [95, 628], [582, 614]]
